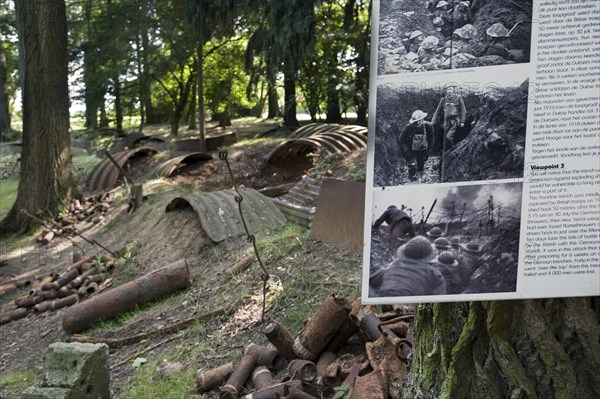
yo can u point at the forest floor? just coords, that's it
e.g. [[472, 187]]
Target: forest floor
[[303, 272]]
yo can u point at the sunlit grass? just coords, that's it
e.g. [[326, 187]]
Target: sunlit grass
[[8, 195], [17, 381]]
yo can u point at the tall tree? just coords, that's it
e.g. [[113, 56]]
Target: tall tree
[[292, 25], [534, 349], [4, 113], [45, 184]]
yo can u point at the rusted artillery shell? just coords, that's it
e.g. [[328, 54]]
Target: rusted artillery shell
[[319, 330], [347, 362], [214, 377], [47, 237], [91, 288], [56, 304], [13, 315], [79, 264], [268, 357], [65, 292], [46, 287], [262, 378], [28, 301], [343, 335], [369, 325], [275, 391], [303, 369], [77, 281], [125, 297], [34, 292], [95, 278], [23, 283], [42, 280], [281, 339], [65, 278], [324, 361], [9, 307], [238, 378], [48, 294], [296, 393]]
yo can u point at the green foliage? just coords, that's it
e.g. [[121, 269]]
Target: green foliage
[[8, 195]]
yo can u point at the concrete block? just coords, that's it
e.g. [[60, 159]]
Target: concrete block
[[83, 368], [47, 393]]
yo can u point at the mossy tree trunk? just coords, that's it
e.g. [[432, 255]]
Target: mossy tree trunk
[[45, 184], [527, 349]]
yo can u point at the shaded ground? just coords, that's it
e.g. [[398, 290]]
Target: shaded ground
[[303, 273]]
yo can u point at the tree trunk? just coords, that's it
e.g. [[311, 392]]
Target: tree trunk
[[192, 111], [333, 96], [146, 80], [272, 93], [4, 113], [91, 90], [289, 108], [103, 116], [528, 349], [46, 183], [141, 83], [201, 129], [118, 106]]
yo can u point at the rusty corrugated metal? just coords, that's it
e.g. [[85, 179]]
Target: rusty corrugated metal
[[337, 140], [298, 205], [105, 174], [167, 168], [339, 217], [219, 215], [316, 128]]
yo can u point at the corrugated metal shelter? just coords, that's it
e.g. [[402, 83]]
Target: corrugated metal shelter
[[172, 165], [105, 174], [219, 215], [330, 138], [298, 205]]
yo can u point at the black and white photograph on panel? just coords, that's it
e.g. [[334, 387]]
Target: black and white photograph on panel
[[433, 240], [420, 35], [436, 130]]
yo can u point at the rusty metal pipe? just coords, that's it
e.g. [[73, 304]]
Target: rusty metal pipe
[[303, 369], [65, 278], [77, 281], [13, 315], [322, 326], [64, 292], [125, 297], [56, 304], [342, 336], [275, 391], [214, 377], [281, 339], [369, 325], [91, 288], [238, 378], [325, 360], [28, 301], [268, 357], [95, 278], [262, 378]]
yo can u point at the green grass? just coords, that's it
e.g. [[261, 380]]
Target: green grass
[[17, 381], [83, 166], [8, 195], [143, 385]]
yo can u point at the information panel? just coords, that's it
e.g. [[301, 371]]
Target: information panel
[[483, 177]]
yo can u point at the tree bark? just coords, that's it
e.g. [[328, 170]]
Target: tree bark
[[333, 96], [118, 106], [4, 113], [272, 93], [46, 183], [289, 87], [534, 349], [192, 110], [201, 116]]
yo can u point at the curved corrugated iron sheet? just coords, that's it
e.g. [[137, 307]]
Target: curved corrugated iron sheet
[[105, 174], [219, 215], [337, 141], [168, 167], [316, 128]]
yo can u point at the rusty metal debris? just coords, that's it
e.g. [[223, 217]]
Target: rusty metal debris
[[317, 332], [219, 216], [330, 138], [213, 143], [341, 374], [339, 215], [173, 165], [267, 357], [298, 205], [212, 378], [125, 297], [281, 339], [105, 174], [315, 128]]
